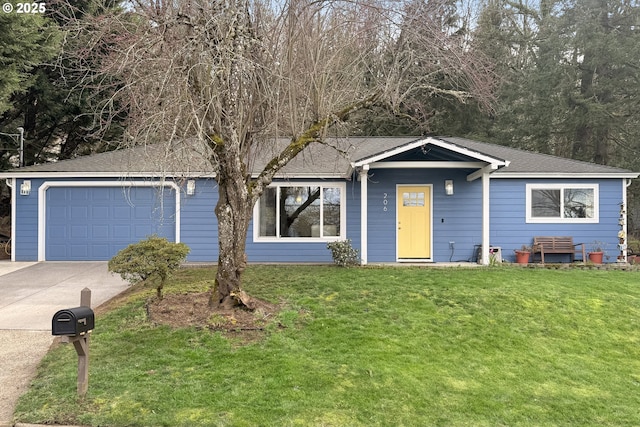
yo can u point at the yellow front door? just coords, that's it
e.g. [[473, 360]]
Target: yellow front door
[[414, 224]]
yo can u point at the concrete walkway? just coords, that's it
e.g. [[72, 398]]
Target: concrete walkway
[[30, 294]]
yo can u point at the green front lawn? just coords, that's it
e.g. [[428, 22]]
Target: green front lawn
[[370, 347]]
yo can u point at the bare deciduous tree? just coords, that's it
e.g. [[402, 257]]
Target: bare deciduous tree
[[230, 77]]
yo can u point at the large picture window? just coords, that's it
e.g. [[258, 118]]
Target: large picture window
[[562, 203], [303, 211]]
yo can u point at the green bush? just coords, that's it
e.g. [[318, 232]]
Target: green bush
[[154, 258], [343, 253]]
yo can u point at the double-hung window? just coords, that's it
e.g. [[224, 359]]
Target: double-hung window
[[301, 211], [562, 203]]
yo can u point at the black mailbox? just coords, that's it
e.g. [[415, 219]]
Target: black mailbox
[[73, 321]]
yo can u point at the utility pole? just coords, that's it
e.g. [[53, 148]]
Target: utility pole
[[21, 130]]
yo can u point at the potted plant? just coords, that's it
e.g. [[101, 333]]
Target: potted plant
[[596, 253], [522, 254]]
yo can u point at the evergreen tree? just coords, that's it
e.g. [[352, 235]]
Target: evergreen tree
[[26, 40], [56, 114]]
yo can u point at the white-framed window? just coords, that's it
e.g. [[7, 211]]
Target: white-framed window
[[301, 212], [570, 203]]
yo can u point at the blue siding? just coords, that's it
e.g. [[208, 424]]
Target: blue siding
[[510, 230], [456, 218], [199, 228], [26, 223]]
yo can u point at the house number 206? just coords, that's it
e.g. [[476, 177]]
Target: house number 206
[[385, 202]]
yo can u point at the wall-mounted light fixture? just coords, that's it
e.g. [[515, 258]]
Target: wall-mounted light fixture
[[191, 187], [448, 187], [25, 188]]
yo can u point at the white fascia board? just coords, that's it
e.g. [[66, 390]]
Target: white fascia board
[[480, 172], [428, 165], [466, 152], [115, 175], [390, 153], [550, 175], [432, 141], [307, 175]]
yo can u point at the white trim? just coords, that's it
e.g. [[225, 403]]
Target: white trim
[[323, 184], [502, 174], [390, 153], [428, 165], [398, 196], [14, 217], [42, 208], [21, 173], [307, 175], [467, 152], [480, 172], [486, 214], [560, 220], [437, 143], [364, 215]]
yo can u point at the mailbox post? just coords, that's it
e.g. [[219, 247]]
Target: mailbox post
[[75, 325]]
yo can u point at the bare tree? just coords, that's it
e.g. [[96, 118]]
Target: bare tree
[[230, 77]]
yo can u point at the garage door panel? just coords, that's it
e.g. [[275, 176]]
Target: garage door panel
[[79, 232], [57, 250], [58, 232], [84, 223], [101, 194], [79, 213], [77, 194], [122, 232], [79, 251], [144, 231], [100, 231], [101, 251], [142, 196], [122, 212], [57, 211], [99, 212]]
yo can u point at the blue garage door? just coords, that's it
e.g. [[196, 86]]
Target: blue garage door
[[94, 223]]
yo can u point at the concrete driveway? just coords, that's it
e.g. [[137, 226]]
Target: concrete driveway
[[30, 294]]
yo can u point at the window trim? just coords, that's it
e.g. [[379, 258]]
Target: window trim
[[562, 220], [322, 184]]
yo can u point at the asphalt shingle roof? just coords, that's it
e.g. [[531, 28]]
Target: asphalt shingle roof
[[318, 160], [528, 162]]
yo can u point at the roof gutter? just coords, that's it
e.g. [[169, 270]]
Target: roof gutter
[[547, 175], [119, 175]]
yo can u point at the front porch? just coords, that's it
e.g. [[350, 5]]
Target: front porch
[[423, 164]]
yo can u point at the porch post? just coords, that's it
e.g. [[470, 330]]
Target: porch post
[[486, 236], [364, 177]]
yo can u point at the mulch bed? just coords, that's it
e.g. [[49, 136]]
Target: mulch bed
[[193, 310]]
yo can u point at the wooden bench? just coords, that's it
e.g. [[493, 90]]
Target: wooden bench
[[557, 245]]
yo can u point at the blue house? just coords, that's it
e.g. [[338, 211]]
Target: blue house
[[398, 199]]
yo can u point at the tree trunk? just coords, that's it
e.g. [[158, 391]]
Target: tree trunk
[[233, 211]]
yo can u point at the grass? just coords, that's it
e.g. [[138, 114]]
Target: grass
[[370, 347]]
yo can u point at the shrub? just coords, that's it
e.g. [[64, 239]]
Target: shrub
[[152, 258], [343, 253]]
